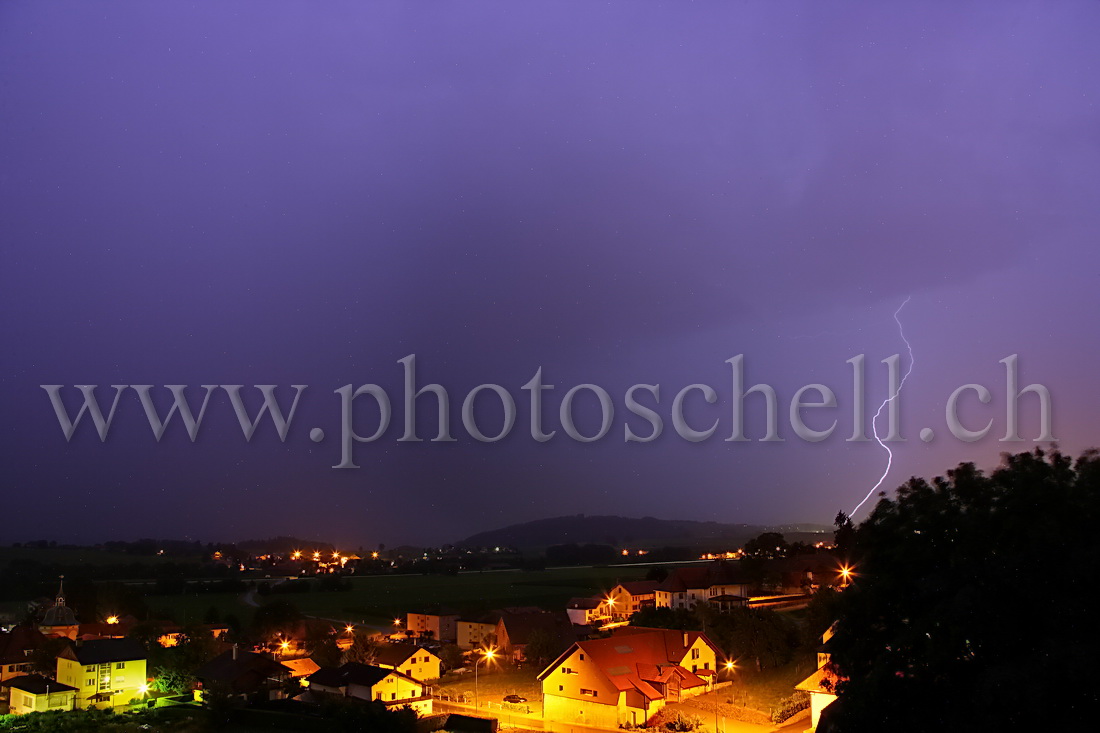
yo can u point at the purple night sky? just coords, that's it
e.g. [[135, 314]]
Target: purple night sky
[[626, 192]]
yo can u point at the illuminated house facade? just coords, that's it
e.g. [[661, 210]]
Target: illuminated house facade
[[717, 582], [105, 672], [473, 633], [438, 626], [821, 684], [587, 611], [626, 678], [368, 682], [629, 598], [36, 694], [417, 663]]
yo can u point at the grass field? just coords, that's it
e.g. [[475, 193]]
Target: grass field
[[380, 599], [493, 683], [377, 600]]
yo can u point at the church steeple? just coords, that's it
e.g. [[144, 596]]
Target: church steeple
[[60, 600]]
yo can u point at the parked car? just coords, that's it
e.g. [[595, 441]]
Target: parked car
[[515, 698]]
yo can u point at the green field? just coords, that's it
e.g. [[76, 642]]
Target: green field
[[378, 599], [383, 598]]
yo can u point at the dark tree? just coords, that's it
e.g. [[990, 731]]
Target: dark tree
[[967, 611], [767, 546]]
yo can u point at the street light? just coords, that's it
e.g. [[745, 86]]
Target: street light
[[729, 667], [489, 654], [845, 575]]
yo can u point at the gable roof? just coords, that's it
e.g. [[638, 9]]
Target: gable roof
[[396, 654], [15, 644], [102, 651], [640, 587], [246, 673], [354, 673], [521, 625], [718, 572], [638, 657], [36, 684]]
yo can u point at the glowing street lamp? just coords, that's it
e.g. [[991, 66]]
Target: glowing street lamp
[[112, 620], [350, 629], [489, 654], [845, 575]]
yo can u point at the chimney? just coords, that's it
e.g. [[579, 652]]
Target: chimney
[[685, 640], [234, 652]]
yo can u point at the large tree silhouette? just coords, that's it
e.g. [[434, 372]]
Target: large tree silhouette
[[967, 609]]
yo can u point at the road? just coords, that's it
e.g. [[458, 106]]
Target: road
[[510, 719]]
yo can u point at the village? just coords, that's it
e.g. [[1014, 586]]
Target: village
[[683, 649]]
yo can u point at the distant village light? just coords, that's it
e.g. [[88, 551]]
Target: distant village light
[[112, 619]]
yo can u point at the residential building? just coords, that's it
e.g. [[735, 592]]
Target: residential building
[[822, 683], [253, 677], [517, 627], [369, 682], [474, 633], [627, 677], [628, 598], [420, 664], [587, 611], [105, 672], [36, 694], [16, 647], [437, 626], [686, 586]]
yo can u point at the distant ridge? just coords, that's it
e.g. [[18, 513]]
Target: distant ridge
[[629, 532]]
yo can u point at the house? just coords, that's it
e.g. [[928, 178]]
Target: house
[[34, 693], [586, 611], [105, 672], [822, 683], [368, 682], [254, 677], [627, 677], [517, 627], [420, 664], [16, 647], [686, 586], [473, 633], [438, 626], [628, 598]]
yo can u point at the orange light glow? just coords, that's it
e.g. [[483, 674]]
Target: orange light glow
[[112, 619], [349, 628]]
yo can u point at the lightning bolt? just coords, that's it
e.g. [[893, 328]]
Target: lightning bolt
[[885, 402]]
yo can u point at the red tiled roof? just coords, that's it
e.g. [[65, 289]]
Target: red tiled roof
[[637, 657]]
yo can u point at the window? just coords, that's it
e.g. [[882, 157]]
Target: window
[[120, 665], [582, 657], [393, 695], [706, 665], [568, 670], [561, 688], [90, 668], [694, 653], [90, 683], [589, 693]]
